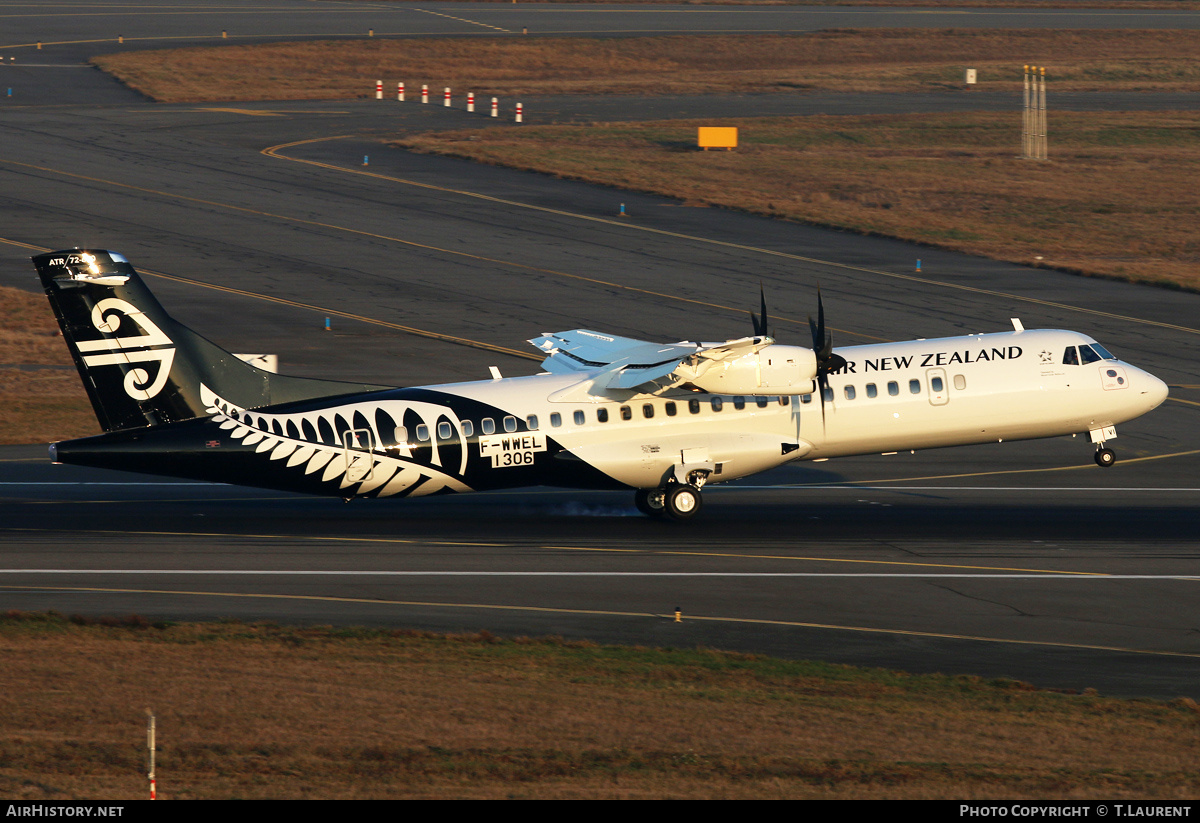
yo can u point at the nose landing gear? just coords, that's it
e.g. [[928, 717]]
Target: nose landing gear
[[1105, 456]]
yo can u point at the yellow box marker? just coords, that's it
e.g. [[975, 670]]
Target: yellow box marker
[[711, 137]]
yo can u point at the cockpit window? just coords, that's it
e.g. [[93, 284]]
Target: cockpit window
[[1089, 355], [1070, 357], [1103, 352]]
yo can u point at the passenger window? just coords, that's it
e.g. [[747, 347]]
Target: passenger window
[[717, 403], [468, 428], [510, 423], [580, 418], [401, 434], [804, 398], [694, 406], [1070, 358], [872, 391], [648, 410], [422, 433], [626, 413], [532, 422], [669, 408], [761, 401], [914, 386], [850, 392], [556, 420], [960, 382], [936, 384], [444, 431], [784, 400], [601, 415], [739, 403], [488, 425], [827, 395], [893, 388]]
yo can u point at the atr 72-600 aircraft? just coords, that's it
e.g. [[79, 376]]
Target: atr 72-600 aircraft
[[609, 412]]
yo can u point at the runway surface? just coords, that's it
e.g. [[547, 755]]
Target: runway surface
[[258, 221]]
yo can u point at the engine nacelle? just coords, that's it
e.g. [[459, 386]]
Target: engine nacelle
[[769, 370]]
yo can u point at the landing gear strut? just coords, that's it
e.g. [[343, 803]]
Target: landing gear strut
[[678, 501]]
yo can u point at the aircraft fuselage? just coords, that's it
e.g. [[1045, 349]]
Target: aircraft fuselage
[[555, 429]]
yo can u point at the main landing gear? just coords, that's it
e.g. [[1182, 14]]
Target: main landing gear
[[677, 501], [1105, 457]]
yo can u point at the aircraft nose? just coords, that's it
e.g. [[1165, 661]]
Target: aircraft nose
[[1152, 389]]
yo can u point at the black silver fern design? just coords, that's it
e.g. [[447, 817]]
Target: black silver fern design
[[355, 445]]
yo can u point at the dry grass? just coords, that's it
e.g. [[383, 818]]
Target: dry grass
[[41, 398], [851, 60], [263, 712], [1119, 198]]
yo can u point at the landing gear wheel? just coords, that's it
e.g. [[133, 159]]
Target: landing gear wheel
[[683, 502], [1105, 457], [650, 502]]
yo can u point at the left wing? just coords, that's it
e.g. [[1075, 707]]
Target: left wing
[[636, 363]]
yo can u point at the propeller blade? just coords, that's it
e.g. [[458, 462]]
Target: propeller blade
[[827, 361], [760, 322]]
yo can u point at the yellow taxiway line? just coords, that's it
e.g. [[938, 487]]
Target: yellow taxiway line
[[613, 613]]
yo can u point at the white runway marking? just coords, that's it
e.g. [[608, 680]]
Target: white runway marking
[[850, 486], [381, 573]]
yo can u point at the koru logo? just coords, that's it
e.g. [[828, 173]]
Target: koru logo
[[107, 317]]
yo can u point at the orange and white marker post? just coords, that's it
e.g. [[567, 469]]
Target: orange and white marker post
[[495, 107], [446, 95], [424, 93], [471, 101], [400, 91], [520, 114], [378, 89]]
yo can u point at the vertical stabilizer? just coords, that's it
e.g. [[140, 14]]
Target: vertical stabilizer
[[140, 367]]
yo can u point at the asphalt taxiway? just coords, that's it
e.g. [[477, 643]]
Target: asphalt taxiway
[[255, 222]]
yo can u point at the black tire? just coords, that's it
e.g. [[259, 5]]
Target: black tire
[[1105, 458], [683, 502], [650, 502]]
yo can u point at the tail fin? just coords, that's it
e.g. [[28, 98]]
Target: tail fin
[[140, 367]]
